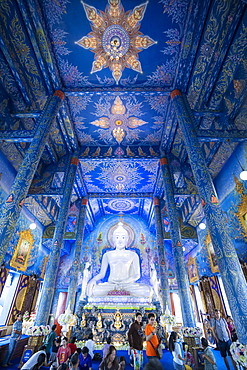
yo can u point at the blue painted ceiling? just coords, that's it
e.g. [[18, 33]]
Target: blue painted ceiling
[[117, 63]]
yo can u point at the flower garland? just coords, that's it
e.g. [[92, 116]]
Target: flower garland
[[39, 331], [67, 318], [191, 332], [167, 319], [239, 353]]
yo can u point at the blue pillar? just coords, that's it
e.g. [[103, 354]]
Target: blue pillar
[[12, 207], [53, 263], [70, 303], [180, 268], [227, 259], [164, 286]]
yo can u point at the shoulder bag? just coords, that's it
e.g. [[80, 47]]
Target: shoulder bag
[[158, 350]]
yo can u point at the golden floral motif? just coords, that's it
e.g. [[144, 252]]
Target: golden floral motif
[[115, 38]]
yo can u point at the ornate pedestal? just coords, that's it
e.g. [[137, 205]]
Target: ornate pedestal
[[118, 301]]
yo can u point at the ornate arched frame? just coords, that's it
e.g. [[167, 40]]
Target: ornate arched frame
[[211, 254], [22, 251], [242, 208]]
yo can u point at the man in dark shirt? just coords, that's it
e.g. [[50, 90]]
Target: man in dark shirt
[[135, 338]]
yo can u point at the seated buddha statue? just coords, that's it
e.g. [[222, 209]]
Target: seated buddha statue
[[124, 270]]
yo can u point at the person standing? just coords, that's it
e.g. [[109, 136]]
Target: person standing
[[208, 356], [63, 353], [175, 349], [135, 338], [49, 341], [15, 336], [106, 347], [222, 336], [151, 337], [72, 345], [90, 344], [54, 349]]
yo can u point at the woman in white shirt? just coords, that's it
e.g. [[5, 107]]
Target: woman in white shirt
[[90, 344], [175, 349]]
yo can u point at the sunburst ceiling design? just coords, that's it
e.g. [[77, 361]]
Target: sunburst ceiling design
[[120, 176], [115, 38], [118, 120]]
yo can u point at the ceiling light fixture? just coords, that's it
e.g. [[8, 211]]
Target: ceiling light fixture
[[32, 226], [243, 175], [202, 226]]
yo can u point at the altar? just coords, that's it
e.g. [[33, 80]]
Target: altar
[[118, 288]]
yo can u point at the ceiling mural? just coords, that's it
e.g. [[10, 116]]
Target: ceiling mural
[[115, 38], [119, 39], [119, 176], [131, 119]]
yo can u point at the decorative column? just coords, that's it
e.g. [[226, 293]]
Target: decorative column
[[70, 303], [180, 268], [164, 286], [227, 259], [52, 267], [11, 209]]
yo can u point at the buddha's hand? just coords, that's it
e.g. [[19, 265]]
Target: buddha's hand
[[90, 287]]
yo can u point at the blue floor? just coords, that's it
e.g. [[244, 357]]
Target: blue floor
[[166, 361]]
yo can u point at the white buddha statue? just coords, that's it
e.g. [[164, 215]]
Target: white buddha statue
[[124, 270]]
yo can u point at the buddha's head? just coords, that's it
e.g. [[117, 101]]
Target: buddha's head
[[120, 236]]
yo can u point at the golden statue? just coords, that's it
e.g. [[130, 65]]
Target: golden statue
[[117, 320]]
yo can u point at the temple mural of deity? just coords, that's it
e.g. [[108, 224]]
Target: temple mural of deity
[[123, 169]]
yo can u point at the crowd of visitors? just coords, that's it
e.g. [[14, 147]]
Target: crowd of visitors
[[58, 354]]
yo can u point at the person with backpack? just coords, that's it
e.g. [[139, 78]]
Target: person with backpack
[[151, 337], [175, 349]]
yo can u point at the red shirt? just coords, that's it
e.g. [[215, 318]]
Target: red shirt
[[72, 347], [63, 354]]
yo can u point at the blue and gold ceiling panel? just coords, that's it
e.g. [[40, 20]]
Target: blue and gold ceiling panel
[[128, 43], [120, 176], [121, 206], [110, 119]]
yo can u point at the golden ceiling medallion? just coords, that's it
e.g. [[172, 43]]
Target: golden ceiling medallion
[[118, 122], [115, 38]]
